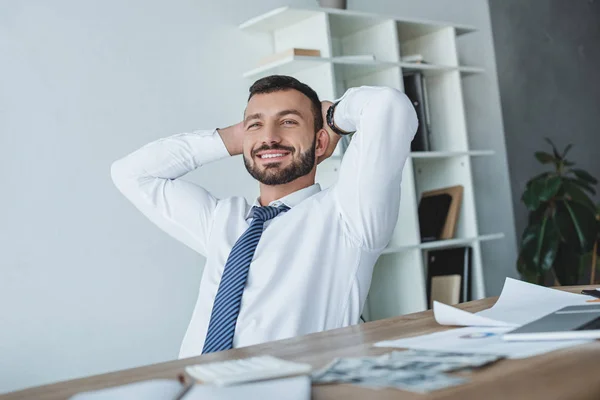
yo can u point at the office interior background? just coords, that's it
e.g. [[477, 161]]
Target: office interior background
[[87, 284]]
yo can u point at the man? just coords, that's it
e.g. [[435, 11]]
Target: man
[[299, 260]]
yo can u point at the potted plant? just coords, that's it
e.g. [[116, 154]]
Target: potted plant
[[560, 240]]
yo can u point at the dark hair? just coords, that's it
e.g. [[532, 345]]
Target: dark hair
[[275, 83]]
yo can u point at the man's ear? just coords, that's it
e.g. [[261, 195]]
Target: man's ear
[[322, 142]]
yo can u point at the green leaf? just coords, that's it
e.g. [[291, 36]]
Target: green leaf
[[528, 272], [531, 196], [541, 189], [568, 163], [530, 199], [551, 186], [525, 265], [538, 249], [566, 150], [582, 184], [545, 158], [584, 176], [572, 192], [546, 247], [536, 216], [530, 234], [541, 176], [584, 222]]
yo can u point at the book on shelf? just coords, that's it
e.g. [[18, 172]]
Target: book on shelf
[[289, 53], [438, 213], [416, 90], [449, 262]]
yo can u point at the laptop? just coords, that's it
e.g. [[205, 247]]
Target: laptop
[[572, 322]]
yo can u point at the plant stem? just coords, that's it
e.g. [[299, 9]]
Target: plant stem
[[593, 275]]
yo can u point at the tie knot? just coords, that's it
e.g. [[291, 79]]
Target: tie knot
[[268, 212]]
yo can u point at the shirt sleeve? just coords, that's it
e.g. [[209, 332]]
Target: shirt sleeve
[[150, 178], [368, 188]]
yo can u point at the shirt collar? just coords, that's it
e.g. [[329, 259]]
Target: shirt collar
[[291, 199]]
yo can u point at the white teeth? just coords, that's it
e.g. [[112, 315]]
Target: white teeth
[[271, 155]]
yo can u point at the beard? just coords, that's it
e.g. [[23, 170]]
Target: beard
[[273, 175]]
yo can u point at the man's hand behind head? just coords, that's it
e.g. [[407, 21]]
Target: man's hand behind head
[[233, 138]]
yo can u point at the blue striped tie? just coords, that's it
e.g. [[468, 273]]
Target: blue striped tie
[[229, 296]]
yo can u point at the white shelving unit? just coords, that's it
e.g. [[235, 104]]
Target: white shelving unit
[[398, 285]]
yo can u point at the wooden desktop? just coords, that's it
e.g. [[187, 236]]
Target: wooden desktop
[[565, 374]]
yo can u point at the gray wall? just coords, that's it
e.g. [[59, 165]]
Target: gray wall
[[548, 56], [87, 284]]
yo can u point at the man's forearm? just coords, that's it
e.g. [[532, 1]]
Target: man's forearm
[[148, 178], [368, 187], [170, 157]]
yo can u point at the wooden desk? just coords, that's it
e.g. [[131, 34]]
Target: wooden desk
[[564, 374]]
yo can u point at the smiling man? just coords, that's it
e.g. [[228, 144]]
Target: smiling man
[[300, 259]]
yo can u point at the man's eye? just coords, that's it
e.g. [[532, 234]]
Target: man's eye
[[253, 125], [290, 122]]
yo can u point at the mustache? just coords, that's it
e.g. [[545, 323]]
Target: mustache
[[275, 146]]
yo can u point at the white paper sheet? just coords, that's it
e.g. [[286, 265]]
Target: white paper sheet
[[519, 303], [447, 315], [294, 388], [480, 340]]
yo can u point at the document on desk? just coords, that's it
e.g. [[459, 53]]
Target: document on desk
[[479, 340], [519, 303]]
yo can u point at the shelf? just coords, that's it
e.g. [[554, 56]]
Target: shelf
[[344, 22], [398, 286], [443, 244], [346, 69], [352, 69], [471, 70], [277, 19], [286, 66], [448, 154], [427, 69]]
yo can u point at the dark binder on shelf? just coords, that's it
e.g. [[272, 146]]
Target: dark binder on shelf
[[415, 89], [454, 261], [433, 211], [438, 213]]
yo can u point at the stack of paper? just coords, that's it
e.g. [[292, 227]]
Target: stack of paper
[[519, 303]]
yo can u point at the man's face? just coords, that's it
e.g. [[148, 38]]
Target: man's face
[[279, 141]]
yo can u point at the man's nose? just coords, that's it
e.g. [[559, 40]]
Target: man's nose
[[271, 135]]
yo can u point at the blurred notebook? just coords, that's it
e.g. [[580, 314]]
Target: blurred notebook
[[416, 91]]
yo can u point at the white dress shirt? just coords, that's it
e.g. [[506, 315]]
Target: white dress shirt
[[313, 265]]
